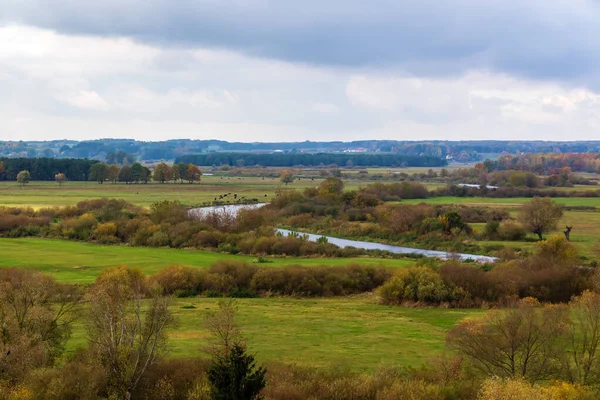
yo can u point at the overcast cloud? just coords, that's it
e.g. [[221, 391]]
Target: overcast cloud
[[258, 70]]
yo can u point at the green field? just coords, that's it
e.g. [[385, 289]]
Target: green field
[[39, 194], [503, 202], [43, 194], [81, 262], [353, 332]]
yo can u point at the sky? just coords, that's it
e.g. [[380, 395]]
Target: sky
[[275, 70]]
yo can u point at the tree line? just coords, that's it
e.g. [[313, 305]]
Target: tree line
[[306, 159], [45, 169]]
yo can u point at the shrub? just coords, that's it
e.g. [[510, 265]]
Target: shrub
[[511, 231], [414, 284], [182, 281]]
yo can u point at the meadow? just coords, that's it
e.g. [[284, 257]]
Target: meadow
[[40, 194], [78, 262], [350, 332], [504, 202]]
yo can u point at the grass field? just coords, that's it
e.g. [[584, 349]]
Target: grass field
[[42, 194], [352, 332], [504, 202], [80, 262], [39, 194]]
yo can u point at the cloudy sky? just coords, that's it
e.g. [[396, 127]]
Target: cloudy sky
[[284, 70]]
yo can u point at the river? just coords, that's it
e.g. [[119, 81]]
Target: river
[[392, 249], [233, 209]]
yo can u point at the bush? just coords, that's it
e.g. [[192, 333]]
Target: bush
[[511, 231], [414, 284], [181, 281]]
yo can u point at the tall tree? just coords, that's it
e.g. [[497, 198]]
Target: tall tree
[[98, 172], [23, 177], [1, 170], [540, 215], [136, 171], [162, 173], [126, 336]]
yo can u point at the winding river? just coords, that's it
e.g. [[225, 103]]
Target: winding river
[[234, 208]]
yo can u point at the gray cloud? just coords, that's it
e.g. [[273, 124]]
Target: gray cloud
[[535, 39]]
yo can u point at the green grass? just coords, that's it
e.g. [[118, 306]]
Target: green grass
[[503, 202], [81, 262], [43, 194], [353, 332], [40, 194]]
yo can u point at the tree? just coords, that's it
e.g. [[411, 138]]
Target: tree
[[331, 187], [193, 173], [224, 329], [583, 362], [136, 171], [286, 176], [145, 174], [176, 173], [523, 342], [236, 376], [233, 373], [540, 215], [98, 172], [126, 339], [23, 177], [162, 173], [35, 321], [126, 174], [2, 169], [112, 174], [60, 178], [182, 171]]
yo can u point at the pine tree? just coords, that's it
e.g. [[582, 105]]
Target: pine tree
[[236, 376]]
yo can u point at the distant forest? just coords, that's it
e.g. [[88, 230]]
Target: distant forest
[[311, 160], [127, 151], [45, 169]]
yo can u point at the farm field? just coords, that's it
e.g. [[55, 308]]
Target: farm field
[[352, 332], [79, 262]]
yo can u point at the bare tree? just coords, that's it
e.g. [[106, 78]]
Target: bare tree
[[583, 363], [522, 342], [224, 329], [540, 215], [126, 336]]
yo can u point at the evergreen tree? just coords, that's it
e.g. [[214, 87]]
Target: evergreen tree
[[236, 376]]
